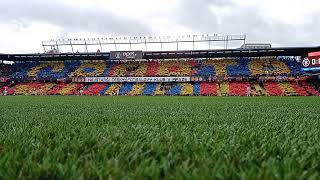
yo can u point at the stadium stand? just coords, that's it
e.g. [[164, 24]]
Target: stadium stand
[[94, 89], [112, 89], [160, 90], [149, 89], [218, 77], [5, 70], [90, 69], [137, 89], [208, 89], [257, 89], [152, 68], [20, 69], [196, 89], [125, 88], [311, 90], [273, 89], [238, 88], [2, 89], [65, 89], [223, 89], [186, 89]]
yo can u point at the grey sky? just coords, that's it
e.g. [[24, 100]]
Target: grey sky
[[24, 24]]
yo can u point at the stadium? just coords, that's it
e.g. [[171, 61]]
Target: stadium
[[135, 113], [252, 70]]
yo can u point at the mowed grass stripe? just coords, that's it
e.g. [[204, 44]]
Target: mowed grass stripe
[[159, 137]]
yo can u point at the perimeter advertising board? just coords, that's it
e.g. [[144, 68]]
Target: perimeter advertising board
[[125, 55]]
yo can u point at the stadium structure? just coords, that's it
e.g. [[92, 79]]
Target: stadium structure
[[250, 70]]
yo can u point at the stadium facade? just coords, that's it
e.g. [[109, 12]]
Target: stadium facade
[[289, 71]]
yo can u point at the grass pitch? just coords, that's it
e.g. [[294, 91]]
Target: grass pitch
[[159, 137]]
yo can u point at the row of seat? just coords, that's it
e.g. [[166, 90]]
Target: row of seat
[[37, 88], [217, 67], [170, 89]]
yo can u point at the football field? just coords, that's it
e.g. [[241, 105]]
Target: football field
[[54, 137]]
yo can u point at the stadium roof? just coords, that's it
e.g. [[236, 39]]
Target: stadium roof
[[286, 51]]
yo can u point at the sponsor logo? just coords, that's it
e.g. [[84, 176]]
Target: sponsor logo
[[118, 55], [306, 62], [124, 55]]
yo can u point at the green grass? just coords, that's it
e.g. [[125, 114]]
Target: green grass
[[159, 137]]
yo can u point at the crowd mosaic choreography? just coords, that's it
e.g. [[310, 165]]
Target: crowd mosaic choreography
[[265, 76]]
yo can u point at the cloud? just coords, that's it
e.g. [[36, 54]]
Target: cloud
[[24, 24], [70, 18], [228, 17], [197, 14]]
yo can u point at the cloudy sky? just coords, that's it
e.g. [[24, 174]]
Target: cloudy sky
[[25, 23]]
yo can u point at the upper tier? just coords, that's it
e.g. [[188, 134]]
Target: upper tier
[[190, 67]]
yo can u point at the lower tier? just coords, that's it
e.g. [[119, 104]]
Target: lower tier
[[293, 88]]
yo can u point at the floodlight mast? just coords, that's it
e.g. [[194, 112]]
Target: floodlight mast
[[146, 40]]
